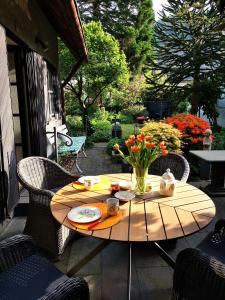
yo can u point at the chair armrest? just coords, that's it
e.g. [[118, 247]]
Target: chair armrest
[[71, 289], [33, 189], [198, 276], [14, 250]]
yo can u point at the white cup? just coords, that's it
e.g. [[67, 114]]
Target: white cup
[[112, 206]]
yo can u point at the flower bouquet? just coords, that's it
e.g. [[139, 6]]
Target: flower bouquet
[[142, 152]]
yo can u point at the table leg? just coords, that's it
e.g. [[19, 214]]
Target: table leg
[[165, 256], [216, 188], [129, 271]]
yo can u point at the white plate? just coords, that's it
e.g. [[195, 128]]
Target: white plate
[[95, 179], [125, 196], [84, 214]]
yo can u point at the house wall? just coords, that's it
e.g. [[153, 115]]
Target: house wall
[[26, 21], [6, 120]]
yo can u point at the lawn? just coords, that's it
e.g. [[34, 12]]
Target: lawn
[[127, 129]]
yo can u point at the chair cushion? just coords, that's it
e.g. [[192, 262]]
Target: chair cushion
[[30, 279], [216, 250]]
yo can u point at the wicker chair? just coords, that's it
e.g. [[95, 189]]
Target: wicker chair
[[42, 177], [200, 273], [28, 276], [178, 165]]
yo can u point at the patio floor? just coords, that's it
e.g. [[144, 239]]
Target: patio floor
[[106, 274]]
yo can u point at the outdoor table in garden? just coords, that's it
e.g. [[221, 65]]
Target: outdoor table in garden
[[217, 160], [148, 218]]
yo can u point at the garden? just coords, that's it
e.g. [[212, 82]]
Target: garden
[[125, 83]]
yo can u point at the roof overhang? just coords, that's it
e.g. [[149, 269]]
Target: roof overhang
[[64, 17]]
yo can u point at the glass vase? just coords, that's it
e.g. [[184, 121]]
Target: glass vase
[[140, 176]]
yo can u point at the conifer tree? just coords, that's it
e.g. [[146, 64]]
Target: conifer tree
[[130, 21], [187, 48]]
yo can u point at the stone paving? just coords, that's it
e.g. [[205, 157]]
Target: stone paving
[[106, 274]]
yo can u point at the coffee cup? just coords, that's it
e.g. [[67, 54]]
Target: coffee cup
[[112, 206]]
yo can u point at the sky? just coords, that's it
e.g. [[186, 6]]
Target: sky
[[157, 6]]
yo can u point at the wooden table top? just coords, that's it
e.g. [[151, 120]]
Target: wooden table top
[[151, 217]]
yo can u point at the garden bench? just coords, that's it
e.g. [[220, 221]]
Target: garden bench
[[68, 144]]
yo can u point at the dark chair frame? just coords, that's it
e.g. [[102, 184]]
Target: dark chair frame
[[198, 274], [40, 176], [177, 163], [15, 249]]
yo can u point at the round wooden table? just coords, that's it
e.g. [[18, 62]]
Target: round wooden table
[[151, 217]]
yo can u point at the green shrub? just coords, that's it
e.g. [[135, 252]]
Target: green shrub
[[75, 125], [102, 130], [101, 114], [112, 142], [162, 132], [135, 111], [126, 119], [219, 140]]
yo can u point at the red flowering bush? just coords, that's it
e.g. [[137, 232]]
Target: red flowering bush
[[192, 129]]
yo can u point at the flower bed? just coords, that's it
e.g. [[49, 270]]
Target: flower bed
[[161, 132], [192, 129]]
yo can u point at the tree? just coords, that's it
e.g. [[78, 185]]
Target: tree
[[131, 22], [106, 68], [187, 49]]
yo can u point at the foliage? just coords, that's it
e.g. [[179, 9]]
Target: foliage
[[105, 69], [142, 150], [209, 93], [130, 21], [135, 111], [192, 129], [127, 130], [71, 105], [112, 142], [162, 132], [130, 94], [219, 140], [75, 125], [188, 52], [102, 130], [102, 114]]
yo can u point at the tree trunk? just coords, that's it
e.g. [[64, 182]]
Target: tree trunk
[[86, 122], [195, 94]]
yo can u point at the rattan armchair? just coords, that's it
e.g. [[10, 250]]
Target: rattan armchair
[[42, 177], [28, 276], [178, 165], [200, 273]]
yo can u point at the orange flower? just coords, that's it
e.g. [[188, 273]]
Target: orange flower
[[116, 147], [135, 149], [194, 140], [162, 145], [164, 152], [140, 137], [132, 137], [147, 138], [129, 142], [149, 145]]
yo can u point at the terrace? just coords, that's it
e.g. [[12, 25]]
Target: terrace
[[115, 120], [106, 273]]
